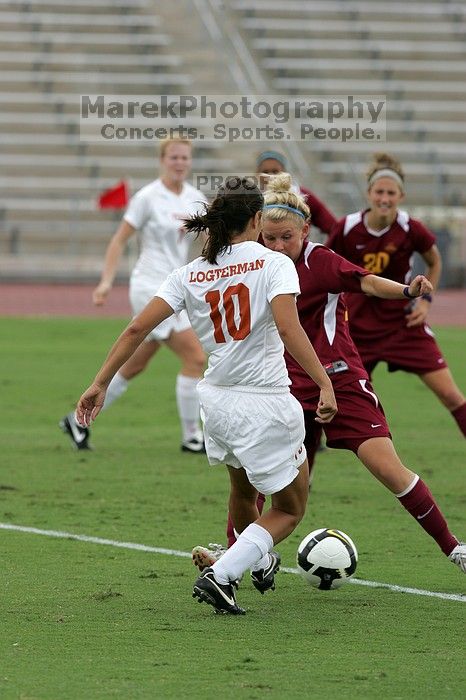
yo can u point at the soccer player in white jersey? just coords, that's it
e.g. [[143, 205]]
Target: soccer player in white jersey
[[157, 211], [241, 301]]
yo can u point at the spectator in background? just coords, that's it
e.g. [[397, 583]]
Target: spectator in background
[[272, 163], [382, 239], [157, 211]]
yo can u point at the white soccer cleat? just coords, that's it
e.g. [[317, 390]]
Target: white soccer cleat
[[458, 556], [203, 557], [195, 445]]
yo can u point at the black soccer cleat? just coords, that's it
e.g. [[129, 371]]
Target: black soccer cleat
[[221, 597], [195, 445], [264, 579], [79, 436]]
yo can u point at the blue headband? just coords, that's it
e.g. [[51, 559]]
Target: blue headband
[[285, 206], [271, 155]]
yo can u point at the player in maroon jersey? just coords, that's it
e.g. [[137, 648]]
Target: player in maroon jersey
[[382, 240], [360, 424], [273, 163]]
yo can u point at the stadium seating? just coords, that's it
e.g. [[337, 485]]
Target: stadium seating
[[52, 52], [413, 53]]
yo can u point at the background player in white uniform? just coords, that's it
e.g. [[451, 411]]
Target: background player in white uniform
[[240, 299], [157, 211]]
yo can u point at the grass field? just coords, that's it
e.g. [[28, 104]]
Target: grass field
[[83, 620]]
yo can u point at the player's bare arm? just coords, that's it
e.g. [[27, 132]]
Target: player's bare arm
[[388, 289], [91, 402], [112, 258], [299, 346]]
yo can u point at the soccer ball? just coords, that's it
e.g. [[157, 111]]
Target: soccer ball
[[327, 558]]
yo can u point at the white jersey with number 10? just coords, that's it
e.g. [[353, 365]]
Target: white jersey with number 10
[[228, 305]]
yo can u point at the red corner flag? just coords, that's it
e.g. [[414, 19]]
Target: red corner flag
[[114, 198]]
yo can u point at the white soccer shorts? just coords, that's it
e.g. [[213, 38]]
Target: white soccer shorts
[[258, 428]]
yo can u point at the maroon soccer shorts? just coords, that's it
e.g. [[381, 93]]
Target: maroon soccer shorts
[[410, 349], [360, 417]]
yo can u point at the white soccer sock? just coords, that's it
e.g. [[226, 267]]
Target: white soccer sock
[[250, 547], [187, 401], [262, 563], [116, 388]]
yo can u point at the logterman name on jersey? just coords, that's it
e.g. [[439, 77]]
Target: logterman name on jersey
[[228, 271]]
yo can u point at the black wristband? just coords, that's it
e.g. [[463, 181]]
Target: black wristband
[[427, 297], [407, 294]]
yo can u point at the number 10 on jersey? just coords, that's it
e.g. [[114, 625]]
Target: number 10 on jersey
[[240, 293]]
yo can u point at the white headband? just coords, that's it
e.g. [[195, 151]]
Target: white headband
[[386, 172]]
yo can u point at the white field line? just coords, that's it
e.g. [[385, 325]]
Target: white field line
[[177, 553]]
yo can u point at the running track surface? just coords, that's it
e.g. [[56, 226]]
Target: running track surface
[[448, 308]]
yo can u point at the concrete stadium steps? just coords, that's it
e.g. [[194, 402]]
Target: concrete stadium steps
[[46, 60], [71, 234], [64, 237], [94, 18], [361, 67], [428, 180], [100, 80], [109, 166], [353, 9], [52, 51], [76, 264], [213, 156], [72, 39], [210, 157], [413, 53], [77, 6], [51, 207], [112, 45], [60, 186], [400, 89], [456, 171], [367, 47], [424, 152], [336, 29]]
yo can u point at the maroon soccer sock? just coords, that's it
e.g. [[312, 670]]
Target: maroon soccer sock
[[231, 537], [420, 503], [459, 414]]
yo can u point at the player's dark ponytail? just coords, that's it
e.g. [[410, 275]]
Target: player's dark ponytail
[[229, 214]]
